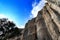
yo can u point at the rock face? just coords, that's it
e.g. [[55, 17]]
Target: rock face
[[46, 26], [57, 2], [30, 30], [48, 23]]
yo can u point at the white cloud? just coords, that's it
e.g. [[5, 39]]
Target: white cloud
[[5, 16], [2, 16], [21, 26], [37, 7]]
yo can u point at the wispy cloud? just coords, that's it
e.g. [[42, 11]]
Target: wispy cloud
[[37, 7], [34, 3]]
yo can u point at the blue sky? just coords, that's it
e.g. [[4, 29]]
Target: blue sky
[[20, 11]]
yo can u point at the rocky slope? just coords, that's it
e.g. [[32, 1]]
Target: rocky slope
[[46, 26]]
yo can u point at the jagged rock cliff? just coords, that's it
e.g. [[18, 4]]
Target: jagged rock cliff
[[46, 26], [30, 30]]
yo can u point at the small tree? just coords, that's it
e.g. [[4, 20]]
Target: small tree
[[6, 28]]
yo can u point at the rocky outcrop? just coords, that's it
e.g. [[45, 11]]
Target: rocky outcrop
[[57, 2], [46, 26], [30, 30]]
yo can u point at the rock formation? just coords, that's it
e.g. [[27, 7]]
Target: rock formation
[[57, 2], [30, 31], [46, 26]]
